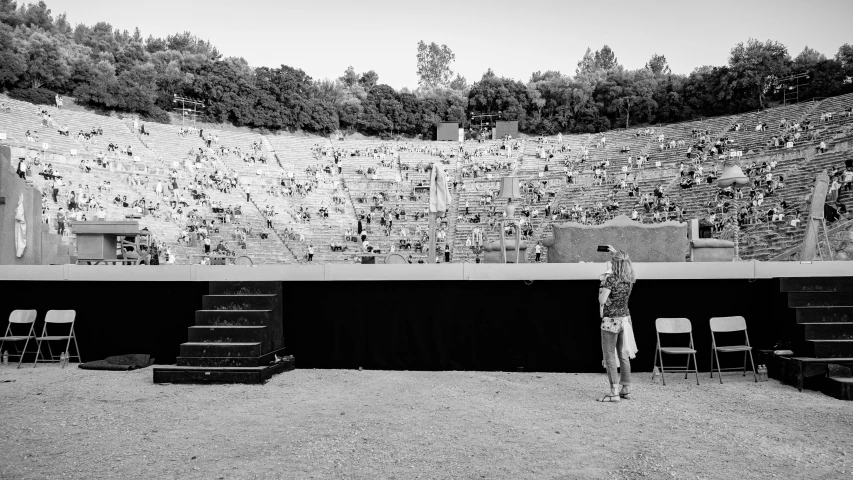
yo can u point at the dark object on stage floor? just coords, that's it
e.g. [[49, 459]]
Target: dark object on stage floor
[[603, 248], [237, 337], [120, 363]]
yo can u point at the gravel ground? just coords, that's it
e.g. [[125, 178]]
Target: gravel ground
[[73, 423]]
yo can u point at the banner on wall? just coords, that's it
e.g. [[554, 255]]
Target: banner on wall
[[20, 228]]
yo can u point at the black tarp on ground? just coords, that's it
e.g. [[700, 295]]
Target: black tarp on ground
[[417, 325]]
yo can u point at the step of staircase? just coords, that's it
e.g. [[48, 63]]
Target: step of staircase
[[233, 318], [264, 360], [829, 349], [826, 284], [822, 374], [221, 349], [238, 302], [829, 314], [840, 388], [820, 299], [217, 333], [827, 331], [221, 374]]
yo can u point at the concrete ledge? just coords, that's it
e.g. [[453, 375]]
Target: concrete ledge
[[453, 272], [32, 272], [360, 273], [694, 270], [273, 273], [536, 271], [128, 273], [797, 269]]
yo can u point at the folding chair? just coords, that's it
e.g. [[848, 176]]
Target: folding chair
[[670, 326], [22, 317], [55, 317], [730, 324]]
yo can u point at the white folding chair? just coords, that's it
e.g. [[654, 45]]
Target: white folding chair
[[57, 317], [673, 326], [20, 317], [725, 325]]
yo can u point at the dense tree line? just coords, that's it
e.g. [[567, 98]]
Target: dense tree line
[[41, 54]]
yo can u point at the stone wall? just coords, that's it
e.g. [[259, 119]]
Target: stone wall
[[659, 242], [11, 188]]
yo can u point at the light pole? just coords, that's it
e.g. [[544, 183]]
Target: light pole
[[734, 177]]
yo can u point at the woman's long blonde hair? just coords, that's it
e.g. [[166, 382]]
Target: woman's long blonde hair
[[623, 270]]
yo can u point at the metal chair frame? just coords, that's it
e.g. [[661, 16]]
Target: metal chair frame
[[675, 326], [56, 317], [730, 324], [22, 317]]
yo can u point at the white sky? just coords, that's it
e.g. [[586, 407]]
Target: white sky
[[513, 38]]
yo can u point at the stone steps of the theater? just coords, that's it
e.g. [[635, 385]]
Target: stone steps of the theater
[[238, 303]]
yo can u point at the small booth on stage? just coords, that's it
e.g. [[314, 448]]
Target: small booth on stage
[[109, 242]]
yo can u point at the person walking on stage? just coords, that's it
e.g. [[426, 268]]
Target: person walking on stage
[[616, 331]]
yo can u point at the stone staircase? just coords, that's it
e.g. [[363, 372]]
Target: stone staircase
[[823, 350], [237, 337]]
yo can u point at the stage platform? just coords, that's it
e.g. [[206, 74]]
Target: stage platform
[[751, 270]]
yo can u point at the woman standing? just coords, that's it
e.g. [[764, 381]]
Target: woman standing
[[616, 331]]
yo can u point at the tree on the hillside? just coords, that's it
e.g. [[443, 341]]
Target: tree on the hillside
[[349, 78], [46, 64], [97, 83], [434, 65], [586, 63], [658, 65], [605, 59], [459, 83], [545, 77], [12, 62], [754, 67], [809, 56], [536, 99], [38, 15], [187, 42], [154, 45], [368, 79], [9, 13], [845, 55]]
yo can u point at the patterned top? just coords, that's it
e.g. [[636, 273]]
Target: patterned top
[[617, 302]]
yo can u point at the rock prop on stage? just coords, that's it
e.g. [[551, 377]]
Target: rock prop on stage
[[658, 242]]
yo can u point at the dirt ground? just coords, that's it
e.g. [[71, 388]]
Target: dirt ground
[[78, 424]]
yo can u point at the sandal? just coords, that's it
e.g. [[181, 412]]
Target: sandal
[[625, 396], [609, 399]]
